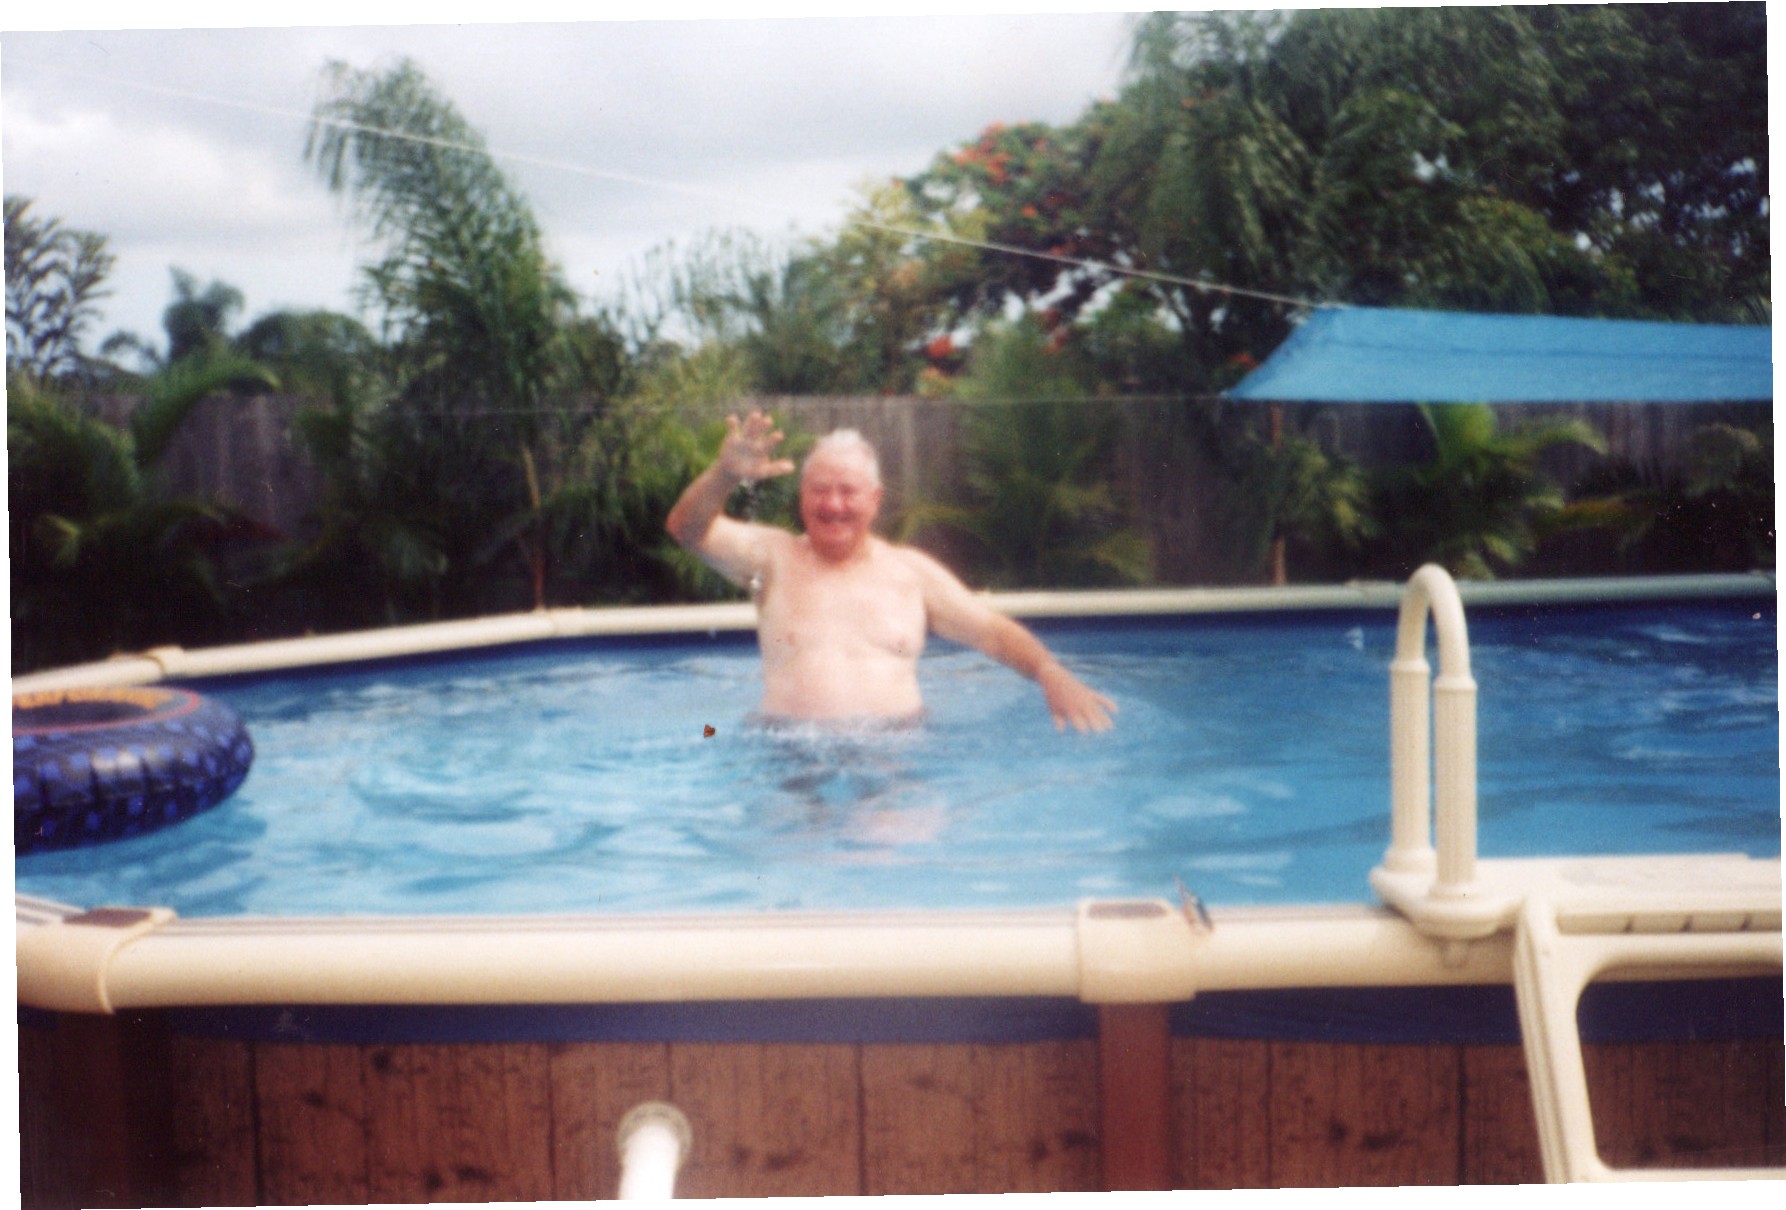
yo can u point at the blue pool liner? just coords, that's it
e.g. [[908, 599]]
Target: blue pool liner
[[1702, 1010]]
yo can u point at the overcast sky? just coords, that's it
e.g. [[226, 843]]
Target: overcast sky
[[183, 146]]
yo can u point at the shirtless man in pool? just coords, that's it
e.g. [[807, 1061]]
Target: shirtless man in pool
[[841, 614]]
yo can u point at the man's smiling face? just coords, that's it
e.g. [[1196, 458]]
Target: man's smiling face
[[839, 500]]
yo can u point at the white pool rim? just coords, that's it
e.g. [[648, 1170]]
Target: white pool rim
[[104, 959]]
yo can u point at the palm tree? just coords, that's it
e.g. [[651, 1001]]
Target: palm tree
[[476, 312], [1716, 512], [197, 317], [321, 355], [780, 308], [1287, 487], [54, 279], [103, 558], [194, 322], [1481, 502]]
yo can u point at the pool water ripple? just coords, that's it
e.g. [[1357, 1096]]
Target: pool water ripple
[[1250, 760]]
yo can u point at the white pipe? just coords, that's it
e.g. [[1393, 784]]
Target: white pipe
[[653, 1137], [1108, 952], [1122, 952], [572, 960]]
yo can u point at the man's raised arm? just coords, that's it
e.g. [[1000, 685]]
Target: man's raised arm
[[697, 520]]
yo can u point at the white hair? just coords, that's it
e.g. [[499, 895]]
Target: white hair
[[850, 443]]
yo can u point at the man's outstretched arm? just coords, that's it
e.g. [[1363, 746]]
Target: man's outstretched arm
[[697, 520], [958, 615]]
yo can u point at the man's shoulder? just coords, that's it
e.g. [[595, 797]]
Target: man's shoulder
[[910, 556], [926, 567]]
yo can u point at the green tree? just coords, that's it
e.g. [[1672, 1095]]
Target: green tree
[[1180, 187], [849, 315], [1596, 160], [1290, 491], [1481, 502], [1039, 507], [779, 307], [1024, 190], [320, 354], [1716, 513], [55, 278], [195, 322], [103, 557], [1433, 134], [891, 281], [1664, 152], [476, 313], [198, 318], [379, 551]]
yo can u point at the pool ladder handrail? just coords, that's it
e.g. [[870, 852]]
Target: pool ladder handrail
[[1572, 918], [1431, 591]]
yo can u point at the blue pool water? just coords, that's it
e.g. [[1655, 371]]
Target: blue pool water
[[1250, 761]]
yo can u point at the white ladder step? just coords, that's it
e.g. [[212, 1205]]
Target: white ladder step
[[1551, 967]]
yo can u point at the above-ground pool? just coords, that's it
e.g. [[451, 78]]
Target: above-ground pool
[[491, 884], [1249, 762]]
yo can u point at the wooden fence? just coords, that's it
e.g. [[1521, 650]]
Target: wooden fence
[[241, 449], [1173, 492]]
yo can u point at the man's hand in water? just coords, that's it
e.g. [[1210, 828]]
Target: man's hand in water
[[746, 454], [1073, 703]]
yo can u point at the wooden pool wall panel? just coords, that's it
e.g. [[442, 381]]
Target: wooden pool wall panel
[[125, 1112]]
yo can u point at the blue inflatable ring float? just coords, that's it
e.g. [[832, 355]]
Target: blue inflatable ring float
[[91, 765]]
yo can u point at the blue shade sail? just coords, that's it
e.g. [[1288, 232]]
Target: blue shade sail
[[1376, 355]]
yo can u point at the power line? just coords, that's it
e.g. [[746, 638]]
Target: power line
[[428, 140], [626, 178], [941, 401], [1103, 266]]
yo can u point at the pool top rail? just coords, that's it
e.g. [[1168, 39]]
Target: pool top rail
[[396, 642], [1106, 952]]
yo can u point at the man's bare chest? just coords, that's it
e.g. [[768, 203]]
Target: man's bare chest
[[872, 604]]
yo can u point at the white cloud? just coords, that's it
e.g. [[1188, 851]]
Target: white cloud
[[138, 179], [295, 275], [185, 146]]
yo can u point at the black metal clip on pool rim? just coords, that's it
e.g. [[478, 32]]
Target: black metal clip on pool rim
[[1194, 912]]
